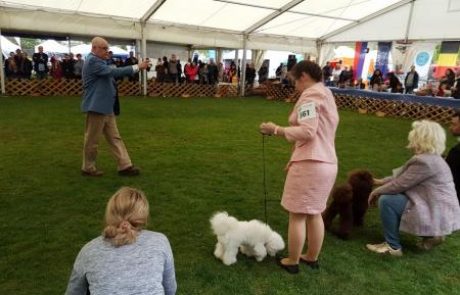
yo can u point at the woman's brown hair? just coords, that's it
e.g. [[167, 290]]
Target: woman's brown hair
[[308, 67]]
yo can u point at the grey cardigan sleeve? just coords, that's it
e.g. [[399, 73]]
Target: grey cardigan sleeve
[[169, 275], [414, 172], [78, 285]]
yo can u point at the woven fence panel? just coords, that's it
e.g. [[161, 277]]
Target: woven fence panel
[[63, 87], [128, 88], [191, 90], [379, 107], [48, 87]]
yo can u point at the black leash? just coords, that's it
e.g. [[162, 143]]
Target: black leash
[[264, 181]]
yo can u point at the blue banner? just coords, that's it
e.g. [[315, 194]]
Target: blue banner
[[383, 54]]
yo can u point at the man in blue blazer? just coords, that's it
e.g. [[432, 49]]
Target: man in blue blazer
[[98, 101]]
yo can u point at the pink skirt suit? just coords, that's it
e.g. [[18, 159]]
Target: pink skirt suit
[[312, 169]]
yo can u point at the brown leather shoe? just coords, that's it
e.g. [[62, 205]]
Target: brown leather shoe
[[95, 173], [130, 171]]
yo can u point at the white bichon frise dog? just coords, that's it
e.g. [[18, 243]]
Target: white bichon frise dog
[[253, 238]]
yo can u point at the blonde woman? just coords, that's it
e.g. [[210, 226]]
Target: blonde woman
[[420, 198], [126, 259]]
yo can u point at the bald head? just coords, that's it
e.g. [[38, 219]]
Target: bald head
[[100, 47]]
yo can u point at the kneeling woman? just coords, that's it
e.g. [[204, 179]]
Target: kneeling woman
[[420, 199], [126, 259]]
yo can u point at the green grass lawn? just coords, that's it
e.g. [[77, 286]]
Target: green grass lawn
[[197, 156]]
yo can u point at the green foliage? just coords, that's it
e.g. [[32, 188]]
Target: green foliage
[[29, 43], [197, 156]]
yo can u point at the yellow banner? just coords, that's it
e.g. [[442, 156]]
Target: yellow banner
[[447, 59]]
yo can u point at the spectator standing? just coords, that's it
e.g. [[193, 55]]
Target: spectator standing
[[40, 60], [395, 84], [191, 73], [172, 69], [130, 61], [78, 67], [56, 68], [327, 73], [250, 74], [376, 81], [263, 73], [68, 64], [279, 71], [411, 80], [26, 66], [11, 68], [179, 71], [160, 70], [220, 72], [213, 72], [336, 72], [19, 60], [203, 72]]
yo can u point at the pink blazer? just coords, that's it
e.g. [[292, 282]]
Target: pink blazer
[[313, 124]]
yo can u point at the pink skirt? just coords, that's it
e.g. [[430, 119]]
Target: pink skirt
[[307, 187]]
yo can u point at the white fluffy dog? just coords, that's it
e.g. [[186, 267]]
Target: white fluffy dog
[[253, 238]]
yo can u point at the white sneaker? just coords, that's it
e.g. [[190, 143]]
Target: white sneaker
[[384, 248]]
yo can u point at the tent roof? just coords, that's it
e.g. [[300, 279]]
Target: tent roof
[[52, 46], [276, 24]]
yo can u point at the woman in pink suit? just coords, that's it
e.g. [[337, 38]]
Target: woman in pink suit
[[312, 169]]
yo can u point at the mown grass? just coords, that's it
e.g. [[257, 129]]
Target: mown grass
[[197, 156]]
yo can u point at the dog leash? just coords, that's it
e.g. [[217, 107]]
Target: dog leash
[[264, 180]]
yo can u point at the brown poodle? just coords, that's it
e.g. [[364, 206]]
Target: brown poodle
[[349, 201]]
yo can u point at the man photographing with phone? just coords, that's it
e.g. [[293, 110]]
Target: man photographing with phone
[[99, 94]]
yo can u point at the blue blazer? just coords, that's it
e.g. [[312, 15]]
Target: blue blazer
[[98, 88]]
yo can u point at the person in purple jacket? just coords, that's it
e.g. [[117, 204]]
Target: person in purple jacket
[[420, 197]]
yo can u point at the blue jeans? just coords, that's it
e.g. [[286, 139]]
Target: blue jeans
[[391, 210]]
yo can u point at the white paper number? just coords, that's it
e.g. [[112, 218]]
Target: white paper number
[[307, 111]]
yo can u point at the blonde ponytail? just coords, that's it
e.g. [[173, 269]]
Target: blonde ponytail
[[126, 214]]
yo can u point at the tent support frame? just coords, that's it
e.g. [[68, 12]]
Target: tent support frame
[[2, 71]]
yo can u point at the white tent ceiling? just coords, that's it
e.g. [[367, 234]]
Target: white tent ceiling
[[293, 25]]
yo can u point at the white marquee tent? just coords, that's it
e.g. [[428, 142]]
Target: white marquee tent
[[84, 49], [51, 46], [302, 26], [7, 46], [292, 25]]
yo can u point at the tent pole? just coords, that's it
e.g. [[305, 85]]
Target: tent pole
[[409, 20], [243, 66], [144, 56], [2, 70]]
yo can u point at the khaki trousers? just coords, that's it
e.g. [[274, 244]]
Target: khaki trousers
[[96, 125]]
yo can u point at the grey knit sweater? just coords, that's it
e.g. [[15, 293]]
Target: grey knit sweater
[[144, 267]]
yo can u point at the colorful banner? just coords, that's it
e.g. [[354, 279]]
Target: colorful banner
[[360, 56], [422, 63], [383, 54], [448, 55]]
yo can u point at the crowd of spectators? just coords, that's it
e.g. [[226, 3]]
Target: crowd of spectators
[[394, 81]]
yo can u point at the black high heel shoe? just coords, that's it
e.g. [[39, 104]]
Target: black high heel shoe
[[290, 268], [311, 264]]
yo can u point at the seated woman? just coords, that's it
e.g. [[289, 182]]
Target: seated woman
[[376, 81], [126, 259], [420, 198]]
